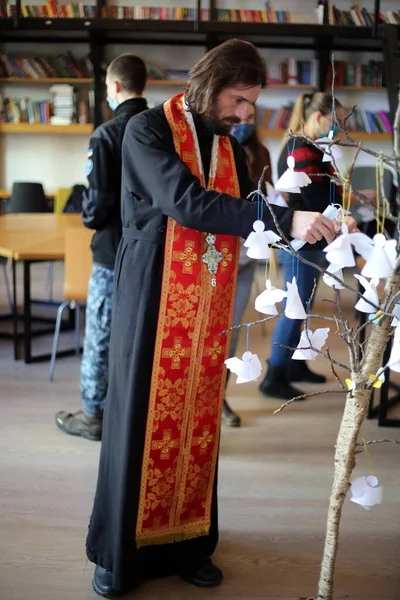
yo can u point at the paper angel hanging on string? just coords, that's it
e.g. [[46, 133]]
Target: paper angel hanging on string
[[369, 294], [396, 315], [258, 241], [366, 491], [382, 259], [294, 306], [265, 302], [340, 251], [247, 369], [274, 197], [394, 359], [330, 152], [335, 270], [309, 339], [291, 180]]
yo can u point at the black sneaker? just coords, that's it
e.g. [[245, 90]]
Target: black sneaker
[[301, 372], [80, 424], [276, 385]]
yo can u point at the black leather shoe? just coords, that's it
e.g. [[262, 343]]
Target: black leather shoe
[[229, 417], [301, 372], [205, 575], [102, 583]]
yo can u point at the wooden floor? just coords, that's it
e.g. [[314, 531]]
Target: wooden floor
[[275, 479]]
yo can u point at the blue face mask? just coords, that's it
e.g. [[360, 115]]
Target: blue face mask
[[112, 102], [242, 131], [333, 128]]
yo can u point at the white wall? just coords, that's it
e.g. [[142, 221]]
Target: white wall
[[59, 160]]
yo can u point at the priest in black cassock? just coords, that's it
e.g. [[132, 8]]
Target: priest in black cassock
[[184, 210]]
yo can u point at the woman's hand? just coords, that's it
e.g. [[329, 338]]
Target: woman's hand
[[352, 225], [311, 227]]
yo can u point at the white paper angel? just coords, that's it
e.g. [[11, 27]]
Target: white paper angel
[[247, 369], [265, 302], [394, 359], [369, 294], [382, 259], [366, 491], [274, 197], [294, 306], [291, 180], [396, 315], [340, 251], [334, 151], [258, 241], [335, 270], [309, 339]]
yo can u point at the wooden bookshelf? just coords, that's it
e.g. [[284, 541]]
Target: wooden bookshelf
[[74, 129], [74, 80], [356, 88], [171, 82], [357, 135]]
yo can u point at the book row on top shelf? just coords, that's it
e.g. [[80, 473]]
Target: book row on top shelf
[[326, 13]]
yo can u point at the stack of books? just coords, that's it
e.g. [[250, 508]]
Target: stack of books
[[63, 11], [63, 105], [371, 74], [359, 17]]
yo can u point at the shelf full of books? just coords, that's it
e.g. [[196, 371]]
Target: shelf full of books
[[67, 108], [46, 67], [363, 124]]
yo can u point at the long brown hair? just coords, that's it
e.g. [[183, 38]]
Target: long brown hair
[[235, 62], [305, 106], [258, 157]]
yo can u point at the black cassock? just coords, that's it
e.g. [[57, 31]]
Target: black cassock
[[156, 184]]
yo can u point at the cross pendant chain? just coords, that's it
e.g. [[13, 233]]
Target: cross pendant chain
[[211, 258]]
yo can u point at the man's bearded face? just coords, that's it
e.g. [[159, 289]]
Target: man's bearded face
[[232, 106]]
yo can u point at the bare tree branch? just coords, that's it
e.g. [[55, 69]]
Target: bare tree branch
[[304, 396]]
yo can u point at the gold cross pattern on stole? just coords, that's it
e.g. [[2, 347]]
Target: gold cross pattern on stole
[[166, 444], [203, 440], [187, 256], [211, 258], [176, 353]]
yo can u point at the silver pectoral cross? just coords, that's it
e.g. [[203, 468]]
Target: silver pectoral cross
[[212, 257]]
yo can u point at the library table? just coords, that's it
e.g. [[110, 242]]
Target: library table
[[29, 238]]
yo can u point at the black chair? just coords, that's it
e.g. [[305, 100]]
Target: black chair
[[28, 197]]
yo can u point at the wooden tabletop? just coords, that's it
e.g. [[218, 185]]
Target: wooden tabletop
[[35, 236]]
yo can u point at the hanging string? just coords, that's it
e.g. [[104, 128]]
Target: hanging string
[[368, 457], [247, 337], [383, 204], [378, 200]]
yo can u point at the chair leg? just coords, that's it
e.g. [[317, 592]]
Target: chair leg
[[77, 326], [50, 280], [7, 284], [56, 338]]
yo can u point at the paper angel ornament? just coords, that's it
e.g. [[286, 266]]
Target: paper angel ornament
[[394, 359], [294, 306], [274, 197], [366, 491], [330, 152], [247, 369], [335, 270], [258, 241], [340, 251], [396, 315], [309, 339], [369, 294], [265, 302], [291, 180], [382, 259]]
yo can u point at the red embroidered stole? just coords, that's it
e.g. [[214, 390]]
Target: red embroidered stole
[[188, 382]]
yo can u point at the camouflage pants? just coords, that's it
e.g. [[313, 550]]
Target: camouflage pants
[[94, 367]]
